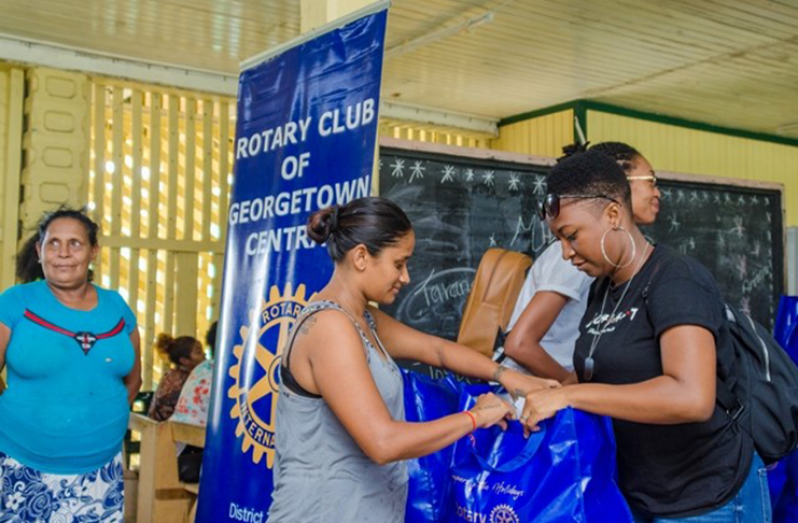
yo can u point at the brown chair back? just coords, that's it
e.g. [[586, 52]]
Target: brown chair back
[[497, 284]]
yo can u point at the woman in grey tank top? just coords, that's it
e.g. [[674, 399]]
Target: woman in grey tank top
[[341, 435]]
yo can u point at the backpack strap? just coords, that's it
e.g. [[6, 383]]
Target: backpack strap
[[648, 285], [728, 401], [724, 396]]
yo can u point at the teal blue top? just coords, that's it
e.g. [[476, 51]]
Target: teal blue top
[[65, 410]]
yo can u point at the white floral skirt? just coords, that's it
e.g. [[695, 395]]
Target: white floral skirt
[[30, 496]]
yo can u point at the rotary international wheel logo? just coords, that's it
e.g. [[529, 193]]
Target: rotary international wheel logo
[[256, 371], [503, 514]]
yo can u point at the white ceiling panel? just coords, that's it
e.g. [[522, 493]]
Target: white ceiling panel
[[725, 62]]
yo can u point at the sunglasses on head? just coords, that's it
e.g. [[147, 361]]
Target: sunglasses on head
[[550, 205]]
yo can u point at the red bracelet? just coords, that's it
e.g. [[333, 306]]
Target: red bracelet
[[473, 419]]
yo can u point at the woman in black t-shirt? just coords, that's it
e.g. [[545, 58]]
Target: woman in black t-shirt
[[647, 356]]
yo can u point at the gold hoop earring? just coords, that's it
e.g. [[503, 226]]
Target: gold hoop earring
[[604, 251]]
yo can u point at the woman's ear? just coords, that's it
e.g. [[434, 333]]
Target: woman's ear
[[360, 256], [613, 214]]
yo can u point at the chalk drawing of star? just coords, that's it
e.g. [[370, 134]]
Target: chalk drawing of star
[[674, 223], [741, 200], [417, 171], [738, 228], [493, 240], [666, 194], [540, 185], [469, 175], [487, 178], [514, 181], [398, 168], [717, 198], [448, 173]]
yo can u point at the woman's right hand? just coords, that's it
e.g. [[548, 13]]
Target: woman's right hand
[[492, 410]]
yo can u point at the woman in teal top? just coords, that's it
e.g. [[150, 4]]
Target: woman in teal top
[[72, 351]]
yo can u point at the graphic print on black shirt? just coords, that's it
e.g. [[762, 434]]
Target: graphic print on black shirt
[[664, 470], [603, 322]]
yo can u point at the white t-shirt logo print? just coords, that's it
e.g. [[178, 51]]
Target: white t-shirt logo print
[[606, 324]]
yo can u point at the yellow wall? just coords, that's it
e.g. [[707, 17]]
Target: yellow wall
[[543, 136], [12, 89], [674, 148], [667, 147], [404, 130]]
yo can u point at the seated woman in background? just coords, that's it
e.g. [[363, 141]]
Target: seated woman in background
[[194, 402], [185, 353], [545, 323], [647, 356], [341, 437]]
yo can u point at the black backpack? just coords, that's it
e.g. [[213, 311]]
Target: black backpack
[[757, 385], [760, 392]]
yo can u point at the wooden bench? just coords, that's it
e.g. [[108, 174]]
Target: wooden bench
[[162, 497]]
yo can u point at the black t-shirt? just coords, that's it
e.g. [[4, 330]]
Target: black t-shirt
[[665, 470]]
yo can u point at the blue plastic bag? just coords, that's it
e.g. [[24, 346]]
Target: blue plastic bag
[[783, 477], [427, 399], [786, 329], [783, 482], [563, 473]]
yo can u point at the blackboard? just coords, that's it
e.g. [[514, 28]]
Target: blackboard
[[462, 205], [736, 232]]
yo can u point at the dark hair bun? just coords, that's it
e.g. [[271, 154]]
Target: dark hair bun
[[174, 349], [572, 149], [371, 221], [322, 223], [163, 344]]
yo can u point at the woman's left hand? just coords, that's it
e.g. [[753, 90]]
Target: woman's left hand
[[542, 404], [519, 385]]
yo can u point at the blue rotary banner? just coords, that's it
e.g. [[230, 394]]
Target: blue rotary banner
[[305, 139]]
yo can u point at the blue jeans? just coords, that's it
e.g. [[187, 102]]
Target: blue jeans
[[750, 505]]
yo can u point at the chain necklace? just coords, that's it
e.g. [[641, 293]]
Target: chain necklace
[[590, 363]]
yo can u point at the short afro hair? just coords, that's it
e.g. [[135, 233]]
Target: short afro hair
[[590, 172]]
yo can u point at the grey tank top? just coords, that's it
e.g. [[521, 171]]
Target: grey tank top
[[320, 473]]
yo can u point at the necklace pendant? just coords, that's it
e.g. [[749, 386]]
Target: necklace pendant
[[590, 364]]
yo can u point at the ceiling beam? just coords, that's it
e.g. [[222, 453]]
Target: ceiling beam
[[57, 56], [448, 119], [82, 60]]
